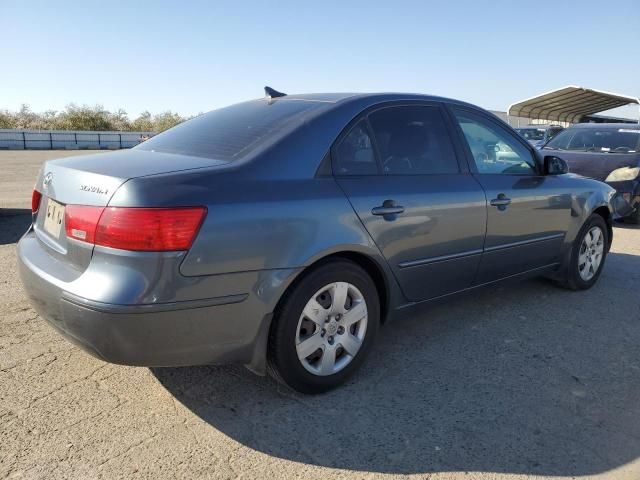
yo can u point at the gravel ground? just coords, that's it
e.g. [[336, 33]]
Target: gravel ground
[[519, 381]]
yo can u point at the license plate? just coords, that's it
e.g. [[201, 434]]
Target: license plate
[[53, 220]]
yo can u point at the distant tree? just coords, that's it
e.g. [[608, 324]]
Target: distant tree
[[25, 118], [144, 123], [45, 121], [84, 117], [120, 121], [166, 120], [147, 122], [7, 119]]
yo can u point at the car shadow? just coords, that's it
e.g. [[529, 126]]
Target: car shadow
[[626, 225], [13, 223], [526, 378]]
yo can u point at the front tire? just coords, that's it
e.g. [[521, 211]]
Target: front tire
[[324, 328], [634, 218], [588, 254]]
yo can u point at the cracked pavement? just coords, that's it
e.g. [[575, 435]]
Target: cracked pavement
[[519, 381]]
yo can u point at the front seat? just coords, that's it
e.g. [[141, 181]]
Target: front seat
[[407, 149]]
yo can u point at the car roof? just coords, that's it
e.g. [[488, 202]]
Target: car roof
[[540, 127], [372, 97], [612, 126]]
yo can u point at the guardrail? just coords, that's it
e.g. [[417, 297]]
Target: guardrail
[[11, 139]]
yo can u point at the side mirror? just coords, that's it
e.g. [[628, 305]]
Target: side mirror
[[555, 165]]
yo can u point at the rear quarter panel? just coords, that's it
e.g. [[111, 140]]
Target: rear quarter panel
[[276, 224], [256, 224]]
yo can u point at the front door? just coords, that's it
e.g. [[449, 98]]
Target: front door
[[400, 171], [528, 213]]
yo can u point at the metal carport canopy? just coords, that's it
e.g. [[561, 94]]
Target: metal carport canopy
[[568, 104]]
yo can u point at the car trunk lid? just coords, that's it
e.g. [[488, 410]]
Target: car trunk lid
[[92, 180]]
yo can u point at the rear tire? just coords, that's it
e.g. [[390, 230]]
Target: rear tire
[[324, 328], [588, 254]]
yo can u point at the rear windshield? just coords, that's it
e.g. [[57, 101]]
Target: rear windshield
[[230, 133], [610, 140], [531, 133]]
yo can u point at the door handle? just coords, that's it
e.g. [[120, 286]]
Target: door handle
[[501, 202], [388, 207]]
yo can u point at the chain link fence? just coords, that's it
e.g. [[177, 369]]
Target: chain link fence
[[11, 139]]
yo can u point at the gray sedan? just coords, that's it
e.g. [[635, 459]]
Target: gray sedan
[[281, 233]]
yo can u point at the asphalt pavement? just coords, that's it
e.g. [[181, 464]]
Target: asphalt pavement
[[519, 381]]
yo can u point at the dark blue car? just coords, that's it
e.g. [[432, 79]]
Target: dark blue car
[[609, 152]]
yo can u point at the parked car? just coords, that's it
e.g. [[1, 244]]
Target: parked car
[[280, 233], [609, 152], [539, 135]]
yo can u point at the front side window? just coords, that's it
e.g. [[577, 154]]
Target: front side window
[[553, 132], [494, 151], [354, 154], [413, 140]]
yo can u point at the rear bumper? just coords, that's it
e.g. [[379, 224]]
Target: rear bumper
[[176, 338], [216, 330]]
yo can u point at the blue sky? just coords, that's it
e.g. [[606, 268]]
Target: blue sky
[[193, 56]]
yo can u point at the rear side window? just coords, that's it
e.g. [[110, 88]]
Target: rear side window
[[231, 133], [354, 154], [413, 140]]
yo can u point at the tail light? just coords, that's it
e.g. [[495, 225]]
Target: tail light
[[80, 222], [138, 229], [36, 196]]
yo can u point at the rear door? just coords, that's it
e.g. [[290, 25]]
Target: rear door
[[399, 168], [528, 213]]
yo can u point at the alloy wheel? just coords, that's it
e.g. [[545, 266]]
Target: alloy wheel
[[590, 254]]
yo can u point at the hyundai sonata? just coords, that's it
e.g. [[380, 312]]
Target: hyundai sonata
[[281, 233]]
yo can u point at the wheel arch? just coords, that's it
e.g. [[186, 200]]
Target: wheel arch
[[376, 273], [373, 268]]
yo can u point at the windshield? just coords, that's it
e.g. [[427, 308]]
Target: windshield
[[609, 140], [531, 133], [231, 133]]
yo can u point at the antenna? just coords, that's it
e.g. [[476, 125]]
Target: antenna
[[271, 93]]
